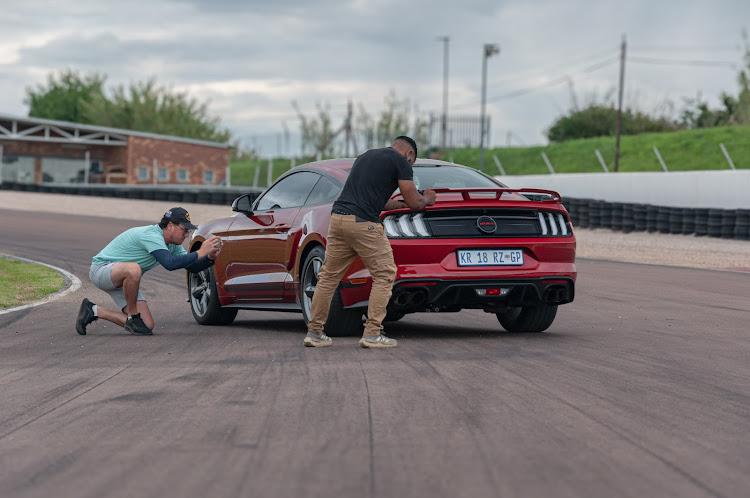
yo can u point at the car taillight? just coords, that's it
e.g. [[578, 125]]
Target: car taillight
[[405, 225], [553, 224]]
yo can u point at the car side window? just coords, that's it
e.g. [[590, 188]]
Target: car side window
[[326, 190], [290, 192]]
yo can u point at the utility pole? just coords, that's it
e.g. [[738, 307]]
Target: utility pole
[[444, 122], [618, 126], [489, 50]]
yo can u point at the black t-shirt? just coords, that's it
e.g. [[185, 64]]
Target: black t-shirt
[[373, 179]]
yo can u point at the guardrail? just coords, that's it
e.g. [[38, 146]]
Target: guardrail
[[176, 193]]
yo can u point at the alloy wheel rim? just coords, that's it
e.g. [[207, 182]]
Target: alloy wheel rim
[[200, 292], [310, 283]]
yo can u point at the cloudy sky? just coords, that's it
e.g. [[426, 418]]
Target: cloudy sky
[[251, 58]]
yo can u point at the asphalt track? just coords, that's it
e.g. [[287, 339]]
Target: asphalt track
[[640, 388]]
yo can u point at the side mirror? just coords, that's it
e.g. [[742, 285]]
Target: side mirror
[[243, 204]]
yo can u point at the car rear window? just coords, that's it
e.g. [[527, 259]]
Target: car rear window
[[426, 176]]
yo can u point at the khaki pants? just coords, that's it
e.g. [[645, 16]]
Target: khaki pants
[[348, 239]]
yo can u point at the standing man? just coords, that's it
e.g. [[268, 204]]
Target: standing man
[[355, 230], [118, 268]]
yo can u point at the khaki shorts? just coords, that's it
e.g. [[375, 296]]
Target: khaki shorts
[[101, 276]]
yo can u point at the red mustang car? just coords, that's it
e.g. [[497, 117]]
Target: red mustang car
[[482, 245]]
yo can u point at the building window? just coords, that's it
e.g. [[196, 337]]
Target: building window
[[182, 176], [143, 173], [163, 174], [208, 177]]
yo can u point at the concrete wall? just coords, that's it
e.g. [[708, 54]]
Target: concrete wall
[[722, 189]]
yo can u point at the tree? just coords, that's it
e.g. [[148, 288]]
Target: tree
[[142, 106], [145, 106], [317, 133], [65, 96], [734, 110], [600, 121], [395, 119]]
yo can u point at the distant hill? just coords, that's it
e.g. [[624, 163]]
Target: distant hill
[[686, 150]]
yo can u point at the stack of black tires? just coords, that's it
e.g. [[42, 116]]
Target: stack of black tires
[[625, 217], [176, 194]]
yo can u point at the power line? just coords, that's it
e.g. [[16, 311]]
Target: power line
[[530, 74], [685, 47], [567, 65], [550, 83], [675, 62]]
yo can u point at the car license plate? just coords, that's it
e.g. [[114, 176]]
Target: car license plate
[[490, 257]]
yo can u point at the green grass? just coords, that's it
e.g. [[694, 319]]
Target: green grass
[[23, 283], [687, 150], [243, 172]]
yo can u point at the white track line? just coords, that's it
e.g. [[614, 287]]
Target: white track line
[[75, 284]]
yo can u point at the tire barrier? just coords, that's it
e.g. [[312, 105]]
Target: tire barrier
[[714, 222], [176, 194], [626, 217], [639, 217], [652, 217], [584, 213], [742, 224], [688, 221]]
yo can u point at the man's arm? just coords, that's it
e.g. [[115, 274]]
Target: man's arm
[[412, 198], [394, 204], [174, 261]]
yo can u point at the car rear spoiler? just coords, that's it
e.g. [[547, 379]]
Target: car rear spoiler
[[533, 194]]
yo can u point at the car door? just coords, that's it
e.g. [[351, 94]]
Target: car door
[[260, 245], [314, 217]]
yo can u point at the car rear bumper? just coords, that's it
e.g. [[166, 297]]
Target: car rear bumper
[[489, 294]]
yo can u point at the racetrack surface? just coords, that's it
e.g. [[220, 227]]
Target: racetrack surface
[[638, 389]]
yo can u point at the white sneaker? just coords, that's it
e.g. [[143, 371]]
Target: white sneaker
[[377, 341]]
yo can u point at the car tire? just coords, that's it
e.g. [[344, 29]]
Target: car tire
[[528, 318], [204, 300], [340, 322]]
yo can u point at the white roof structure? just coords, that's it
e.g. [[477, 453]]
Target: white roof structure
[[48, 130]]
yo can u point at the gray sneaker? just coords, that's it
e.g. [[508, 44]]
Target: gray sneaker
[[134, 324], [377, 341], [315, 340]]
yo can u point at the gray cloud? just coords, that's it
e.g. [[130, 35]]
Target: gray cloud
[[251, 58]]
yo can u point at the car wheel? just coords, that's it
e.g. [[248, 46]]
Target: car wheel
[[528, 318], [340, 322], [204, 301]]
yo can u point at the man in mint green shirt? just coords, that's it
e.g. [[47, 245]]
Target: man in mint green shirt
[[118, 268]]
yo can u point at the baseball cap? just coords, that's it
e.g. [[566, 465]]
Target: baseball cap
[[179, 216]]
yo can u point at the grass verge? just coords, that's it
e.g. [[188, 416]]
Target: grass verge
[[23, 283]]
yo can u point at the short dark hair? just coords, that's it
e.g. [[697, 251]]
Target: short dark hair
[[409, 141]]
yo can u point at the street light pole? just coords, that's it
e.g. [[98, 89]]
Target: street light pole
[[489, 50], [444, 121]]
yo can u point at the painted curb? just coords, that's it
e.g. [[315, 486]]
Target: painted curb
[[72, 284]]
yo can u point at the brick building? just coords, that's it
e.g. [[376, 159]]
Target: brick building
[[34, 150]]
